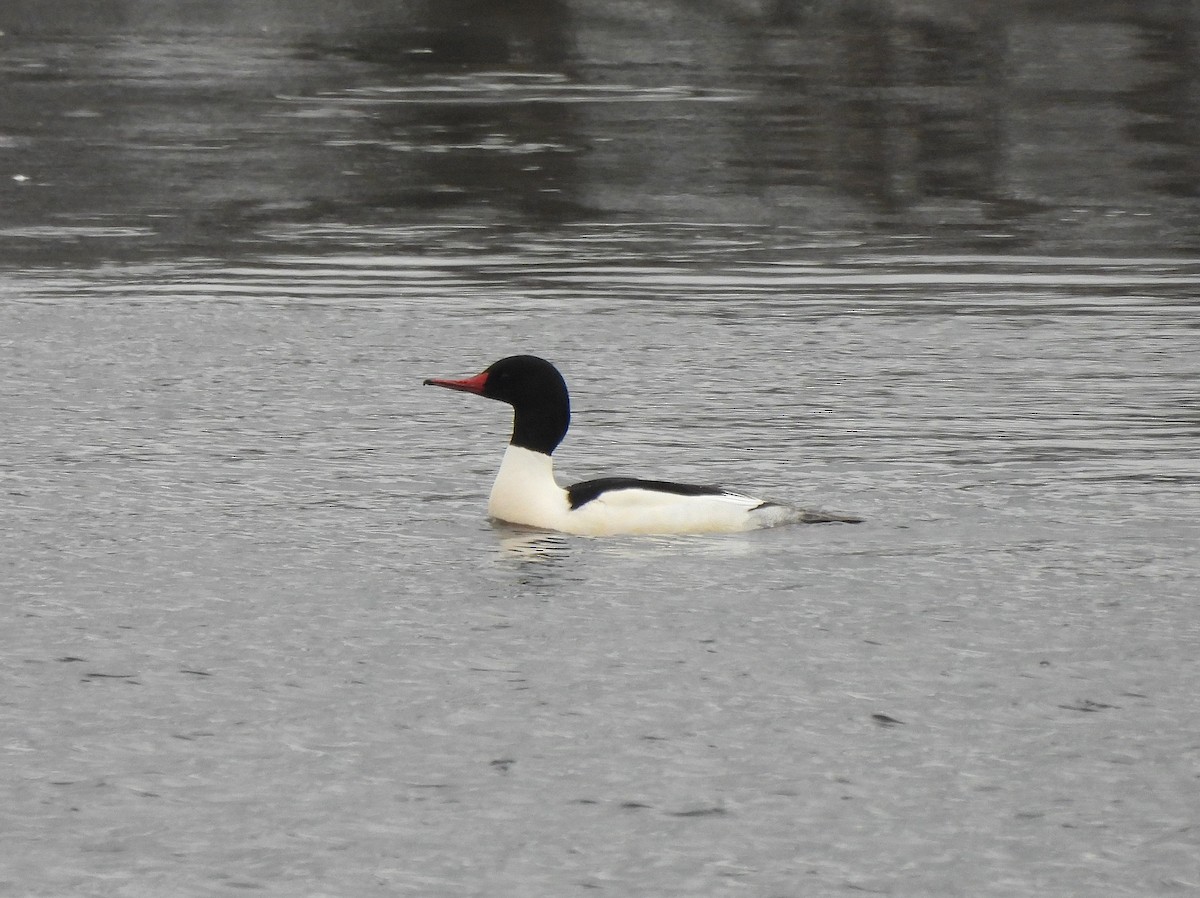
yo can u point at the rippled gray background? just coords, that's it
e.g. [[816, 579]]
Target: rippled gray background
[[931, 263]]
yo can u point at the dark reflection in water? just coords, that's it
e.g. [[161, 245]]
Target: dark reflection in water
[[1064, 127], [522, 34]]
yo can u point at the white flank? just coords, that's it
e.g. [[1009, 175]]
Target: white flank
[[526, 493]]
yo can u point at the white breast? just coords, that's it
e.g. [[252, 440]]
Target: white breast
[[525, 491]]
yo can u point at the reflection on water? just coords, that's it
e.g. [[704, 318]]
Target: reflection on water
[[532, 546], [1034, 128]]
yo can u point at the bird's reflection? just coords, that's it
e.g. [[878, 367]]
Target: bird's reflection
[[532, 549]]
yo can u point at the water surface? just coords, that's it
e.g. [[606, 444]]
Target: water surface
[[259, 635]]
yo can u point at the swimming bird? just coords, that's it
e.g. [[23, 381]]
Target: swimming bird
[[526, 493]]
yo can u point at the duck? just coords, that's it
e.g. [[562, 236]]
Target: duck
[[526, 493]]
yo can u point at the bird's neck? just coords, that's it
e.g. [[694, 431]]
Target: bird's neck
[[541, 426]]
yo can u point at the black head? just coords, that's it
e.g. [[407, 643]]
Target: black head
[[535, 390]]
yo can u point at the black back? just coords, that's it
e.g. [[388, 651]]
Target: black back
[[582, 493]]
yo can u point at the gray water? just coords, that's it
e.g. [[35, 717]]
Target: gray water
[[259, 636]]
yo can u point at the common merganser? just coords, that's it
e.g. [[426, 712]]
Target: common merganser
[[526, 493]]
